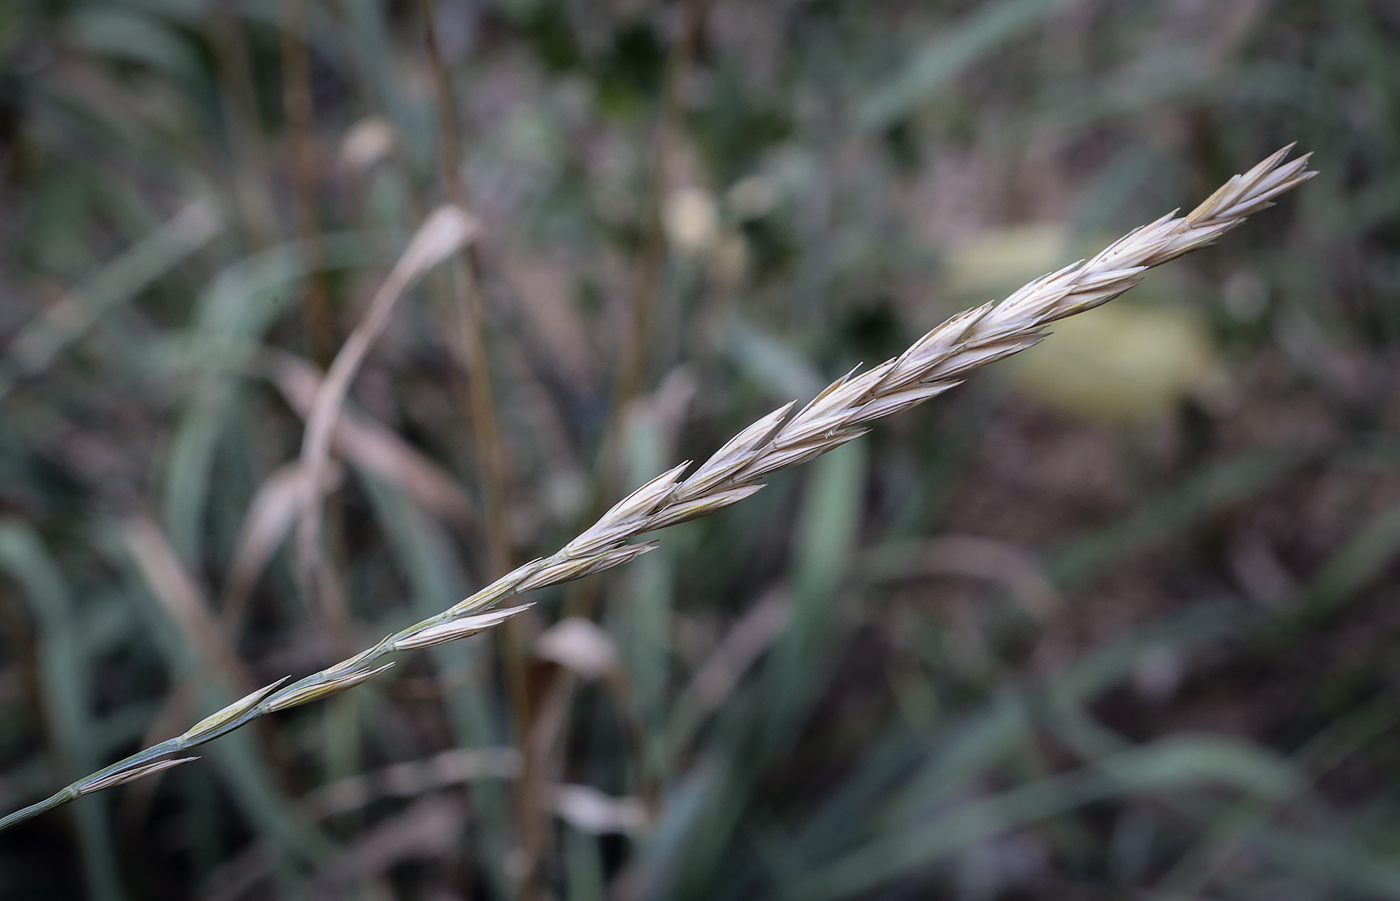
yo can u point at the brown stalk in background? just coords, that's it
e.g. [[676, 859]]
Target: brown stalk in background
[[315, 572], [306, 180], [251, 174], [471, 316], [645, 291]]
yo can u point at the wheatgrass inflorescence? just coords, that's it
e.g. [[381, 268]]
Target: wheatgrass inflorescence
[[840, 413]]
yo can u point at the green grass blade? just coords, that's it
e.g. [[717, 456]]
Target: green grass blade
[[1199, 495], [126, 276], [66, 692], [1170, 765], [950, 54], [827, 530], [240, 304]]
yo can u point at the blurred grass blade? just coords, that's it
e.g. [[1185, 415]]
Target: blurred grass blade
[[1199, 495], [238, 306], [367, 32], [583, 646], [969, 556], [430, 828], [770, 362], [655, 868], [183, 600], [371, 446], [950, 54], [445, 231], [717, 677], [827, 530], [1183, 760], [1000, 728], [583, 866], [273, 511], [1334, 860], [903, 777], [1368, 552], [413, 778], [66, 691], [116, 283], [645, 623], [589, 810], [1170, 765], [132, 36]]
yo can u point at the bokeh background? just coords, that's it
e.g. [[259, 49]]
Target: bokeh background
[[1117, 619]]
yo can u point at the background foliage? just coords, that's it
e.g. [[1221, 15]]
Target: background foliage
[[1118, 620]]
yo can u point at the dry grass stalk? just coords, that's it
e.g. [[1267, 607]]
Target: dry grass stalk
[[444, 232], [297, 107], [840, 413], [252, 188], [370, 445], [471, 315], [481, 406], [645, 290]]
